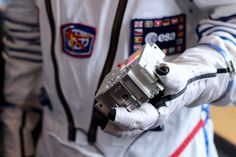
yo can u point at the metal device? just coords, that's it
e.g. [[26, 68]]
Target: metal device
[[133, 82]]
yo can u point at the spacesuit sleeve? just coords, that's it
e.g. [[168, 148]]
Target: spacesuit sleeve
[[22, 53], [218, 32]]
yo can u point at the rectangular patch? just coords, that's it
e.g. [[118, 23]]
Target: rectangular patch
[[167, 32]]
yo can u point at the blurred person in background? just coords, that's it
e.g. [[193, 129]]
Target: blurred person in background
[[20, 114], [3, 4]]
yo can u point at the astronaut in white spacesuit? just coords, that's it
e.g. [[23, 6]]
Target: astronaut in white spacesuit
[[81, 41]]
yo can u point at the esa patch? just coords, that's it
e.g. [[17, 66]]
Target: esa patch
[[168, 33], [78, 39]]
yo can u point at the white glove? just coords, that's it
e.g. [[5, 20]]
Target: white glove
[[200, 75], [193, 79], [129, 123]]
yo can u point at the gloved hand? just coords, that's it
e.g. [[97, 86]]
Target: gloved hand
[[193, 79], [128, 123]]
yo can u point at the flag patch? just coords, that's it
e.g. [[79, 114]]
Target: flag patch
[[167, 32]]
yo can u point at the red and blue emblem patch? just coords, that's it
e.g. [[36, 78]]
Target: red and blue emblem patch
[[78, 39]]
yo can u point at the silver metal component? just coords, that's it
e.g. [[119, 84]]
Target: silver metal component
[[133, 83]]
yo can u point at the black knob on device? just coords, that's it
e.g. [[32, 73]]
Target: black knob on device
[[162, 70]]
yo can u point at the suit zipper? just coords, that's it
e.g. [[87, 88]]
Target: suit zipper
[[71, 125], [114, 39]]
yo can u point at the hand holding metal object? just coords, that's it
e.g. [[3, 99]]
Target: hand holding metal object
[[134, 81]]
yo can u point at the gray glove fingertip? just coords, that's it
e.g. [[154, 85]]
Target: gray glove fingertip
[[112, 114]]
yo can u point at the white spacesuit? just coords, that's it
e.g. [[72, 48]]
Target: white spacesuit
[[76, 38]]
